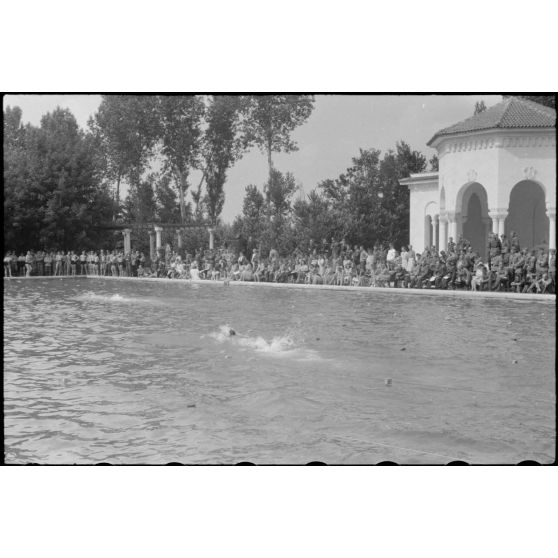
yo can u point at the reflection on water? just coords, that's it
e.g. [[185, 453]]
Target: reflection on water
[[132, 372]]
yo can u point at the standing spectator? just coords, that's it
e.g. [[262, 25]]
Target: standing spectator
[[28, 263], [39, 262], [8, 265], [58, 263], [74, 259], [48, 263], [451, 245], [392, 253], [82, 263]]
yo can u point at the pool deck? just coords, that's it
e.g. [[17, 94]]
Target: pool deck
[[551, 298]]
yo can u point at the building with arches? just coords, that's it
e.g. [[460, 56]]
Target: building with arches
[[497, 173]]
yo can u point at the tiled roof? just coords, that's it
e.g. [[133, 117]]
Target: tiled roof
[[510, 113]]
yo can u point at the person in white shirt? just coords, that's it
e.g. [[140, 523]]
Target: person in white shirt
[[392, 253]]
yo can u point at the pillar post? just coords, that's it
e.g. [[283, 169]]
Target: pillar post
[[179, 236], [158, 231], [127, 240], [452, 225], [436, 231], [501, 222], [211, 237], [551, 214], [443, 236], [152, 252], [498, 217], [494, 216]]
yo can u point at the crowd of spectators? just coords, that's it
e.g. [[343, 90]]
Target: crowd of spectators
[[508, 267]]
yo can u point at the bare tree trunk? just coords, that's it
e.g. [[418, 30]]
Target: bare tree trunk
[[269, 161], [182, 187], [117, 197]]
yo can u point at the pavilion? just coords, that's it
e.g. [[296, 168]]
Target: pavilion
[[497, 172]]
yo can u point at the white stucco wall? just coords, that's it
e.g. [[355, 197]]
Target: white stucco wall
[[529, 160], [498, 161], [421, 195]]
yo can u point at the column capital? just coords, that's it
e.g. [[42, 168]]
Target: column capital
[[451, 216], [126, 231], [158, 229], [151, 233], [551, 212], [435, 219], [443, 216], [498, 213]]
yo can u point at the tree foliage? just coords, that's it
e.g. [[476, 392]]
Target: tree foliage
[[180, 129], [53, 195], [480, 106], [126, 128], [270, 120], [546, 100], [224, 143], [363, 205]]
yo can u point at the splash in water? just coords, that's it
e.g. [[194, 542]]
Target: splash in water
[[280, 345], [91, 296]]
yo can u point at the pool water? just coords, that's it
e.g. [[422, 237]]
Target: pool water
[[142, 372]]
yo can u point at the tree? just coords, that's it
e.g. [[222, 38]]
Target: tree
[[271, 119], [279, 191], [480, 106], [312, 220], [166, 210], [224, 144], [546, 100], [367, 203], [140, 204], [52, 193], [395, 202], [126, 127], [434, 163], [251, 223], [180, 118]]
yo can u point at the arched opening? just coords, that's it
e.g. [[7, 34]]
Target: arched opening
[[472, 203], [473, 227], [527, 214]]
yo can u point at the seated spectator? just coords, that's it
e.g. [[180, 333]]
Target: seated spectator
[[247, 274], [480, 278]]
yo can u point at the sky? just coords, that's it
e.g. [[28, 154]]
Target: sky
[[338, 127]]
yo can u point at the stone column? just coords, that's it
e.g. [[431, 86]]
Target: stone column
[[443, 238], [501, 223], [498, 217], [158, 231], [452, 228], [179, 238], [494, 216], [211, 238], [436, 231], [127, 240], [551, 214], [152, 252]]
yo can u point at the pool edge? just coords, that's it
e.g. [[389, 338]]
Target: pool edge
[[381, 290]]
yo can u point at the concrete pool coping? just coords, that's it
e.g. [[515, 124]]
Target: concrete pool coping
[[384, 290]]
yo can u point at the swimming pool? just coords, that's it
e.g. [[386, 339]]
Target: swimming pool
[[140, 372]]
